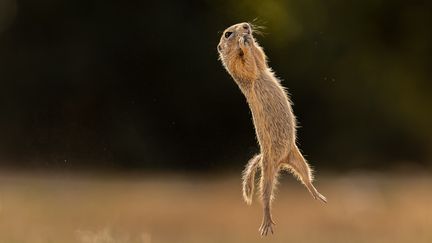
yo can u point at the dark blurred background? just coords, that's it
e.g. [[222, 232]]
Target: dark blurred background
[[130, 85]]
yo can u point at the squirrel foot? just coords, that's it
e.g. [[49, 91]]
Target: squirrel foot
[[266, 226]]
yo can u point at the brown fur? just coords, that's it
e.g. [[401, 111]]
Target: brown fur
[[274, 121]]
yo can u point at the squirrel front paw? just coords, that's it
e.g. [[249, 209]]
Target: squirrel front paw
[[244, 42], [248, 39]]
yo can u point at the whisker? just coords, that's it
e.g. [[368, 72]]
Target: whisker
[[258, 26]]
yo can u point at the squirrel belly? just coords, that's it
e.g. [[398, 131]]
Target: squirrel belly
[[272, 114]]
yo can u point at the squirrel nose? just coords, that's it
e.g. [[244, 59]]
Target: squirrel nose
[[247, 27]]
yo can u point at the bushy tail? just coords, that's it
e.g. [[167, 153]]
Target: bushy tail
[[249, 178]]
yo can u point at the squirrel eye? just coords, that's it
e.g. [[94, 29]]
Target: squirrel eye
[[228, 34]]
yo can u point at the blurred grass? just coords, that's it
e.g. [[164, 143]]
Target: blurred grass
[[170, 208]]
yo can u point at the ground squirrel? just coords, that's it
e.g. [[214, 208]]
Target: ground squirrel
[[275, 123]]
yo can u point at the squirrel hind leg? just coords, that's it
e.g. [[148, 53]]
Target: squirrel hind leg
[[269, 174], [296, 163], [249, 178]]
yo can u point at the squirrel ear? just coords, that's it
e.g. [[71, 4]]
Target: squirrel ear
[[219, 47]]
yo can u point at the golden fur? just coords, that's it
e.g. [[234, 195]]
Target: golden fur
[[274, 121]]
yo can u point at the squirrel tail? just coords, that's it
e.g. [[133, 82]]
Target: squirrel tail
[[249, 178]]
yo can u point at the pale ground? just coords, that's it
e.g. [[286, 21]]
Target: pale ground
[[166, 208]]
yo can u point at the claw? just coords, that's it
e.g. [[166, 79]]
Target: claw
[[321, 198], [246, 39], [315, 194], [266, 227]]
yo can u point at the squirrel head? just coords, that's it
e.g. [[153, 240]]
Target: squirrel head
[[228, 44], [241, 67]]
